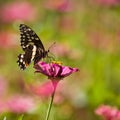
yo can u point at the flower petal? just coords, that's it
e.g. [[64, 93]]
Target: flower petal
[[57, 70], [20, 104], [54, 70], [43, 68], [67, 71], [108, 112]]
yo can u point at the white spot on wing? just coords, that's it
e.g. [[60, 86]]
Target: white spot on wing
[[21, 60], [32, 38], [33, 52], [23, 39], [22, 56], [37, 38], [23, 46], [29, 40], [29, 29]]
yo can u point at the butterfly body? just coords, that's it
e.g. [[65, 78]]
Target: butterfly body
[[32, 47]]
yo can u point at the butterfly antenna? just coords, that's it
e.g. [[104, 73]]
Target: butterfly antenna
[[51, 46], [51, 57]]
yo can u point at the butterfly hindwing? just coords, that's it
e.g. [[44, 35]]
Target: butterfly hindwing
[[39, 55], [25, 59], [21, 61]]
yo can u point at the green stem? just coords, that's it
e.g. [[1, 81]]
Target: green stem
[[50, 105]]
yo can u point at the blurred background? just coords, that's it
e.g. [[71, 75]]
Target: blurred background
[[87, 36]]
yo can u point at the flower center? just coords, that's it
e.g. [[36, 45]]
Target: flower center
[[57, 62]]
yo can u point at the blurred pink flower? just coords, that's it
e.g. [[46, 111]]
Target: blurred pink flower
[[100, 40], [3, 106], [108, 112], [45, 89], [7, 39], [107, 2], [20, 104], [54, 71], [18, 11], [67, 24], [62, 50], [59, 5]]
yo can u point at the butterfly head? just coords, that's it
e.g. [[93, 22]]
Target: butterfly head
[[46, 53], [49, 48]]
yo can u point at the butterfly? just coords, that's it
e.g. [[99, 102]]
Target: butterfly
[[32, 47]]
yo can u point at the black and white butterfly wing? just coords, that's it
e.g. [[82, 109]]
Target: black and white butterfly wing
[[21, 61], [28, 36], [32, 46], [25, 59]]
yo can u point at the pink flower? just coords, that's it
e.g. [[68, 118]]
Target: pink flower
[[108, 112], [54, 71], [59, 5], [18, 11], [20, 104], [62, 50], [67, 24], [7, 39], [101, 41], [44, 90], [3, 106]]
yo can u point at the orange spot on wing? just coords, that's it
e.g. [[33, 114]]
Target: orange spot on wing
[[26, 64]]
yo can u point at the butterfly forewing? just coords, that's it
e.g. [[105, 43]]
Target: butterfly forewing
[[28, 36]]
